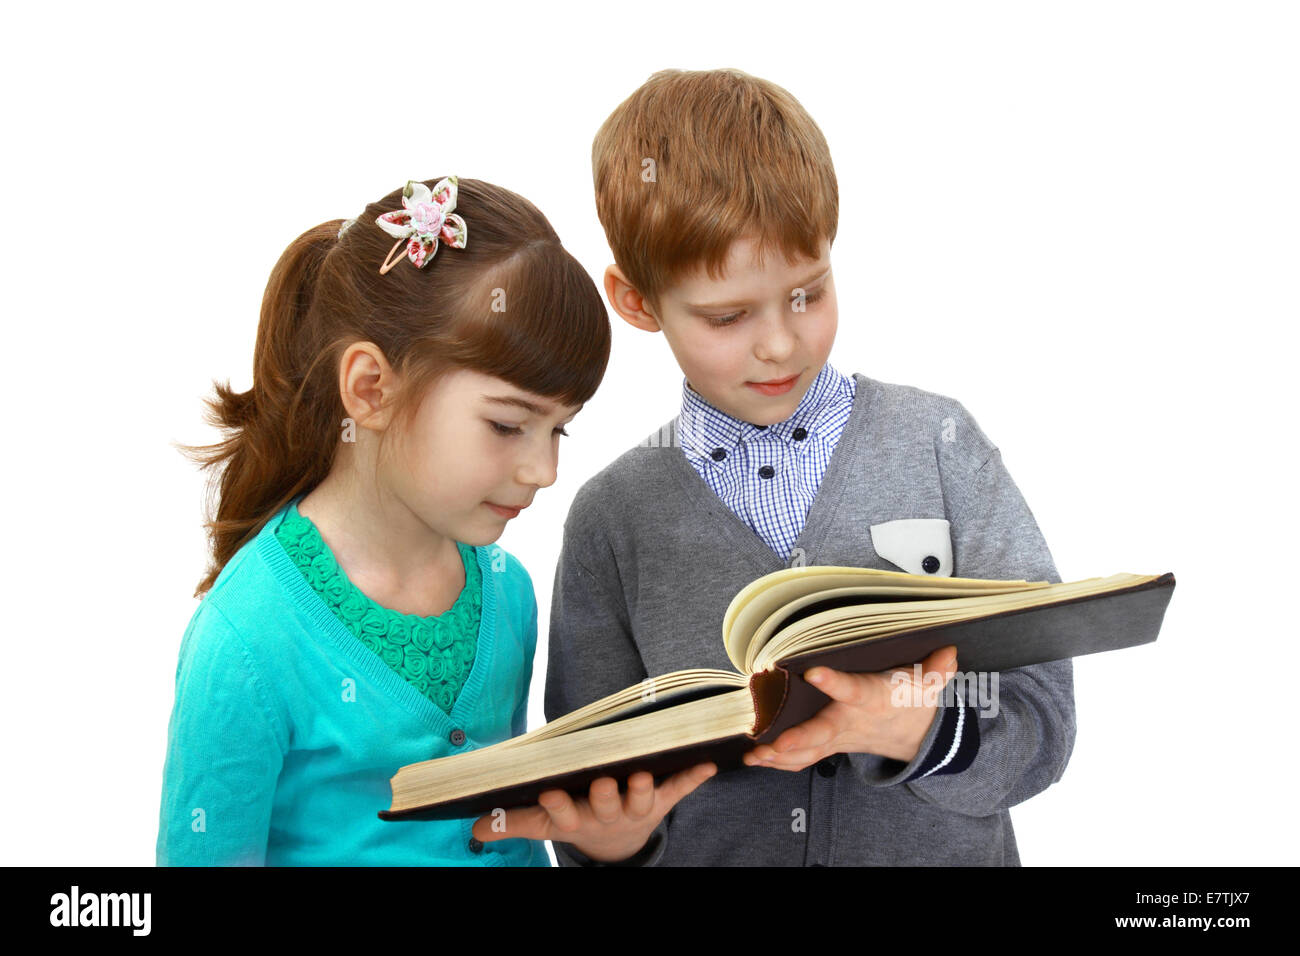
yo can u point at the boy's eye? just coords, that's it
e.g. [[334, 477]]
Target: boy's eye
[[724, 320]]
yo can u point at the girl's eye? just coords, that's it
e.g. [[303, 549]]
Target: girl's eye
[[724, 320], [515, 430], [809, 299]]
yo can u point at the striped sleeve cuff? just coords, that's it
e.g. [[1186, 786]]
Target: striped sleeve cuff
[[955, 745]]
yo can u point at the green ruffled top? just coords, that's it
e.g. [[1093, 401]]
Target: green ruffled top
[[433, 653]]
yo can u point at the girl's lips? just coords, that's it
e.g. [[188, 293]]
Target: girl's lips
[[503, 512]]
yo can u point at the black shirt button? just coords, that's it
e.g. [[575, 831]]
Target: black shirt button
[[930, 564], [767, 471], [717, 454], [826, 766], [457, 736], [475, 845], [799, 434]]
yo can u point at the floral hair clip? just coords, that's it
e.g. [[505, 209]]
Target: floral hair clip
[[426, 217]]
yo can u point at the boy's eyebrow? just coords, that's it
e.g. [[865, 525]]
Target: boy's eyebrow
[[525, 404], [731, 305]]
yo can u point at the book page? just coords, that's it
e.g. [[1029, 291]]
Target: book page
[[839, 626], [760, 599]]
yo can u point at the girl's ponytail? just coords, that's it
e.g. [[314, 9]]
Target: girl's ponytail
[[276, 446], [512, 304]]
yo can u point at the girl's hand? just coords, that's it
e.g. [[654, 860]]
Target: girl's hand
[[606, 826]]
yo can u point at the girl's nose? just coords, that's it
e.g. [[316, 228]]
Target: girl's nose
[[540, 467]]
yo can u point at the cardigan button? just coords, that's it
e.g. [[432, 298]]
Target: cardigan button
[[930, 564], [826, 766], [717, 454], [799, 434], [457, 737], [767, 471], [475, 845]]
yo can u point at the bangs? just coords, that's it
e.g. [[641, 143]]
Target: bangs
[[537, 321]]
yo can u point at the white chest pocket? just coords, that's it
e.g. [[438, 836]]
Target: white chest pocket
[[917, 545]]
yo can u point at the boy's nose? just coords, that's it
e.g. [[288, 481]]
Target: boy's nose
[[776, 342]]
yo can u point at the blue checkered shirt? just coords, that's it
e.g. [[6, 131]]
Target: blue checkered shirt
[[768, 475]]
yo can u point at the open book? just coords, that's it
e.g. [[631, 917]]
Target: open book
[[780, 625]]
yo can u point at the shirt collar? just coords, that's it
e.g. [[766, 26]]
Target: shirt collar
[[704, 429]]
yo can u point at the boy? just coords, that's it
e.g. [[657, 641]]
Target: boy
[[719, 199]]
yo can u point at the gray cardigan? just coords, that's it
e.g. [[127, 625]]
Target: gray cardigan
[[651, 558]]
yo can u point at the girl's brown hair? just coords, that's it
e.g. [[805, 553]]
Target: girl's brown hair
[[513, 304]]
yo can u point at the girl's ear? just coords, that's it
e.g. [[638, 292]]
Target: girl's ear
[[368, 385], [628, 302]]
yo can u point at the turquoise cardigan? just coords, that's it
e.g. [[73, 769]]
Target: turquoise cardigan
[[286, 729]]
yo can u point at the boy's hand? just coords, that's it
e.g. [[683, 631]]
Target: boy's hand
[[861, 717], [607, 826]]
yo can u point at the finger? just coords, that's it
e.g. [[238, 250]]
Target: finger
[[561, 809], [838, 685], [759, 754], [680, 784], [606, 805], [813, 732], [640, 798], [530, 823], [942, 660], [796, 738], [796, 759]]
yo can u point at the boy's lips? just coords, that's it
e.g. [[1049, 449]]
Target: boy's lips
[[775, 386]]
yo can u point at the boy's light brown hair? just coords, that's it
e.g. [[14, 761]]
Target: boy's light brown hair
[[694, 160]]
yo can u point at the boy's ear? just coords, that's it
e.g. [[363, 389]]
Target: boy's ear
[[628, 302]]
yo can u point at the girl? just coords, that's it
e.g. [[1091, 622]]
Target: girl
[[407, 402]]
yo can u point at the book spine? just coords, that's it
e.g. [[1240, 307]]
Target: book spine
[[769, 689]]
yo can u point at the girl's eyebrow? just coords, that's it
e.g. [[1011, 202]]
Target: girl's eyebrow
[[524, 404], [731, 305]]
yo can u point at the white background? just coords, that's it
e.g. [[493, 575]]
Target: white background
[[1079, 219]]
